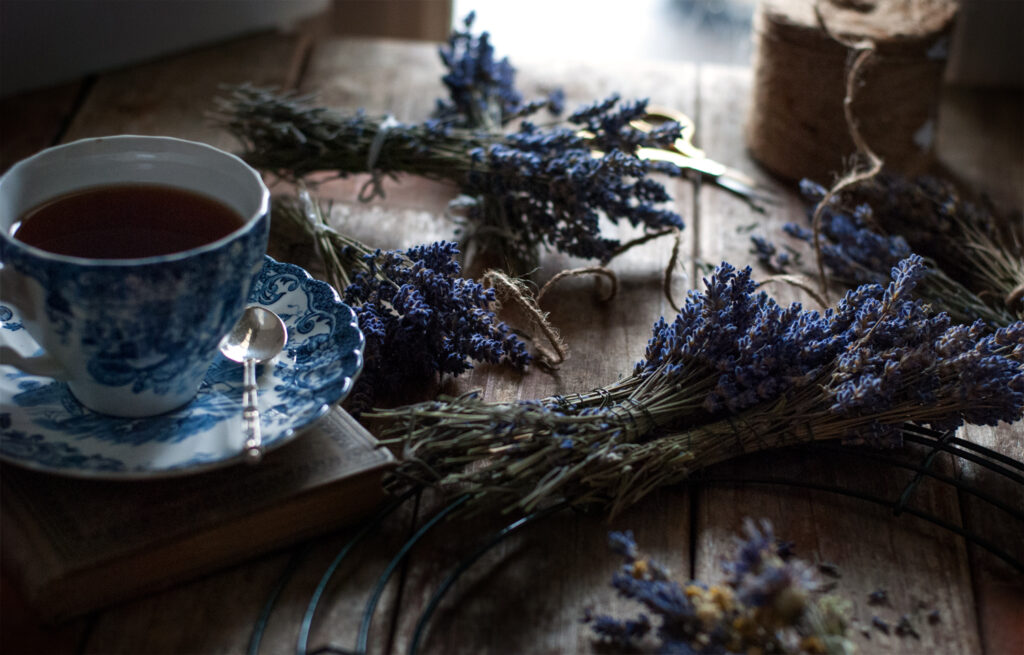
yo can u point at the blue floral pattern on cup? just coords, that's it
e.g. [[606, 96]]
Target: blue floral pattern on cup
[[43, 427], [162, 344]]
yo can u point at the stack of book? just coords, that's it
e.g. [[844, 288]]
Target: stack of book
[[74, 545]]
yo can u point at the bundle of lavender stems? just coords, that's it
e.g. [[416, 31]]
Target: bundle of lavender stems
[[733, 373]]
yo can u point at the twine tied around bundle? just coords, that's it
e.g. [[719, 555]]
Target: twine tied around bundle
[[374, 187]]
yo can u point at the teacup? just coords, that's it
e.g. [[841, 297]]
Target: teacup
[[131, 328]]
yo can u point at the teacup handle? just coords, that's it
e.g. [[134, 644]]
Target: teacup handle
[[43, 365], [17, 297]]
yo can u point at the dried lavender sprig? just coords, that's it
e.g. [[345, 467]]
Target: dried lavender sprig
[[964, 237], [528, 190], [973, 267], [733, 373], [419, 317], [769, 602], [481, 88]]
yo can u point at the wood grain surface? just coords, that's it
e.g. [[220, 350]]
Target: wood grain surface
[[528, 594]]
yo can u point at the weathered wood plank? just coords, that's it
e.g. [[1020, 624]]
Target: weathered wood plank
[[914, 561], [921, 567], [998, 587], [980, 141], [337, 620], [172, 97], [529, 594]]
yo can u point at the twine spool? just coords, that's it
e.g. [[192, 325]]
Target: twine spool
[[796, 127]]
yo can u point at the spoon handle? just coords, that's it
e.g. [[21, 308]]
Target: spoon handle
[[251, 414]]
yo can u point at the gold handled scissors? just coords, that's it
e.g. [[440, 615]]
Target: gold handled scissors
[[684, 154]]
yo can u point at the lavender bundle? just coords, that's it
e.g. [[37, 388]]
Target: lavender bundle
[[420, 318], [522, 190], [733, 373], [976, 265], [770, 602]]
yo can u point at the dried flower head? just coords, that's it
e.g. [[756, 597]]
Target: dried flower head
[[422, 319], [767, 603]]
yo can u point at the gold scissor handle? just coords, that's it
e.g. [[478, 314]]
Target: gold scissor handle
[[656, 116], [683, 154]]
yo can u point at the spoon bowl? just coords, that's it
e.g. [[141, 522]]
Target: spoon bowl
[[257, 337]]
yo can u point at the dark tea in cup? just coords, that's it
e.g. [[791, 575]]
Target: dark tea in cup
[[126, 221]]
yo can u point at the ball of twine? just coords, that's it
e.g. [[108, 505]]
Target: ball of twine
[[802, 92]]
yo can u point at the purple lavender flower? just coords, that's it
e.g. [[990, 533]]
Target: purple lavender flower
[[481, 89], [770, 256], [522, 191], [878, 349], [757, 571], [545, 188], [869, 229], [548, 190], [733, 372], [421, 319], [756, 349], [852, 249]]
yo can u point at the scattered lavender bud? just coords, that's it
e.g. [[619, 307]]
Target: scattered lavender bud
[[906, 628]]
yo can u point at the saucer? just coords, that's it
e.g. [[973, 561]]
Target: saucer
[[43, 427]]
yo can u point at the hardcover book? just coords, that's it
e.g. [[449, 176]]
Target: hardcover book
[[73, 545]]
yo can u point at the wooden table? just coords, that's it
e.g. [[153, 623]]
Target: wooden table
[[529, 593]]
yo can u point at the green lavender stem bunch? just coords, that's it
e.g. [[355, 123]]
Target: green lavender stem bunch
[[733, 373]]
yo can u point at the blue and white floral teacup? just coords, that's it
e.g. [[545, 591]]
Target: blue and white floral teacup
[[131, 337]]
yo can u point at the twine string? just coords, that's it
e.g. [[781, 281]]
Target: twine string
[[374, 187], [1014, 297], [861, 51], [670, 267], [599, 271], [628, 412], [509, 289]]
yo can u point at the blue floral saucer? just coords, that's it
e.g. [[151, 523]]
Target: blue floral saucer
[[43, 427]]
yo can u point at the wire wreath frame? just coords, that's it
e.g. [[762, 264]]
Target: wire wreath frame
[[934, 443]]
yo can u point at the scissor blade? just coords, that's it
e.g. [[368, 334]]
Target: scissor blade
[[754, 197], [723, 176], [703, 165]]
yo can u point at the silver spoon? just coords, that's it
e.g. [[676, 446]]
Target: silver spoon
[[257, 337]]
